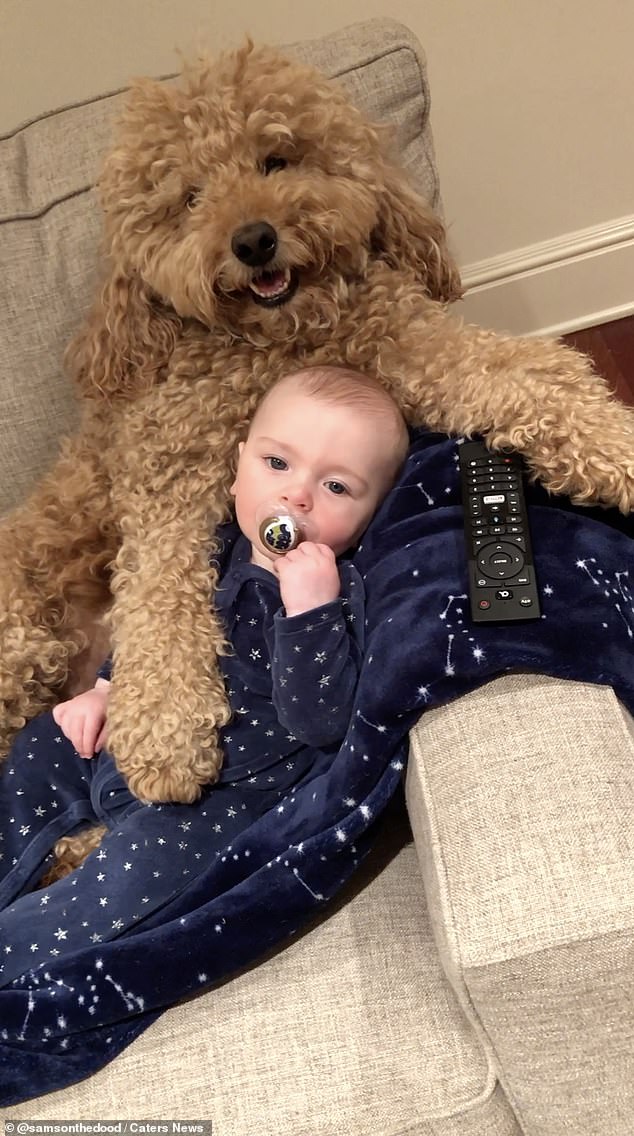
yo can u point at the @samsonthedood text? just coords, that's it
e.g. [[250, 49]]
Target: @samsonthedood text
[[106, 1127]]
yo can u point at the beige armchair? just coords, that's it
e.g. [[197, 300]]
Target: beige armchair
[[477, 977]]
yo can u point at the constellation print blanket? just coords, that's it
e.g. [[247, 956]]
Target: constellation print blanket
[[67, 1018]]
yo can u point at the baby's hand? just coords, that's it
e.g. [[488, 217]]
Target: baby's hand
[[308, 577], [83, 719]]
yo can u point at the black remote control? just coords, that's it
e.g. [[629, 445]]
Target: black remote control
[[502, 583]]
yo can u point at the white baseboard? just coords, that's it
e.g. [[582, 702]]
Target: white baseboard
[[574, 281]]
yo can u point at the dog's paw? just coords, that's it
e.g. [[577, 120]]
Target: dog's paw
[[164, 786], [602, 482], [590, 474], [179, 780]]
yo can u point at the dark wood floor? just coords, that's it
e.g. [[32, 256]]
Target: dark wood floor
[[611, 345]]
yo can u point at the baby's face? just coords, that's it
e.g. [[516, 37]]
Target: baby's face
[[329, 464]]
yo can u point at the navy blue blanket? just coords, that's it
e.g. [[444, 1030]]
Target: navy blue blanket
[[68, 1018]]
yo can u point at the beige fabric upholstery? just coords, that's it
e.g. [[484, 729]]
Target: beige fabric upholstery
[[520, 795], [526, 839]]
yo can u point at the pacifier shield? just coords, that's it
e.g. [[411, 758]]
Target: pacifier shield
[[280, 533]]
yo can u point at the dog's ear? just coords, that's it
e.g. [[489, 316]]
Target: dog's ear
[[125, 341], [410, 235]]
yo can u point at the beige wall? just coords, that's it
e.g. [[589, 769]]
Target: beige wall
[[533, 103]]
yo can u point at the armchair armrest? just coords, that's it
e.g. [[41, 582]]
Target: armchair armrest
[[521, 798]]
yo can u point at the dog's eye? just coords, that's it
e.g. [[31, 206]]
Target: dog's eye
[[272, 163], [191, 199]]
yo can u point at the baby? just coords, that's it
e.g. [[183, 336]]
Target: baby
[[323, 450], [325, 446]]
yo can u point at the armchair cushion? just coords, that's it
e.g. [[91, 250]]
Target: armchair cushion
[[352, 1028], [527, 852]]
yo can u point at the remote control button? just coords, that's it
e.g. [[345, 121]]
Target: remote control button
[[526, 601], [496, 530], [496, 487], [504, 594], [515, 529], [501, 561], [494, 499], [505, 481], [484, 605], [482, 582]]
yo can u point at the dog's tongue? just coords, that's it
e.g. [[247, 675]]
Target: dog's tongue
[[269, 283]]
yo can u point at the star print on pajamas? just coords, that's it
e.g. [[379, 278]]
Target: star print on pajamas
[[122, 883], [617, 590], [152, 853]]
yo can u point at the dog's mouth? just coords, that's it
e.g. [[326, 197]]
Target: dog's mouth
[[274, 287]]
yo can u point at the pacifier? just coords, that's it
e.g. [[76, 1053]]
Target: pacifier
[[281, 529]]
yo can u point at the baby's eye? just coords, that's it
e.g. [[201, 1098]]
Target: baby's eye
[[336, 487], [276, 463]]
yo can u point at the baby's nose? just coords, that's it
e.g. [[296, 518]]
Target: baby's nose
[[298, 495]]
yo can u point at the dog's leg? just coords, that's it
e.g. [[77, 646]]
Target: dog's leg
[[535, 396], [168, 696], [54, 552]]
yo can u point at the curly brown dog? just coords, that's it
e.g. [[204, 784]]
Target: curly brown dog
[[254, 221]]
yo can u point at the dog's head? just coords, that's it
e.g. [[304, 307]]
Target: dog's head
[[249, 193]]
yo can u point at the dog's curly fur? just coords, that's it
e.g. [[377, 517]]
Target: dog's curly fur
[[178, 350]]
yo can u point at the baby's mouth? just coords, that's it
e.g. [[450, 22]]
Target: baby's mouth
[[272, 288]]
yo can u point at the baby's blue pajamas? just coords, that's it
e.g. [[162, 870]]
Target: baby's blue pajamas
[[291, 683]]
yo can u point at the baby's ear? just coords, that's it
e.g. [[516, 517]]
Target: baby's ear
[[232, 488]]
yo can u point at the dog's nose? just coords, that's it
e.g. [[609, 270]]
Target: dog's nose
[[255, 244]]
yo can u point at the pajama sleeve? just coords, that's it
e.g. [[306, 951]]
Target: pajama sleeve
[[105, 670], [315, 663]]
